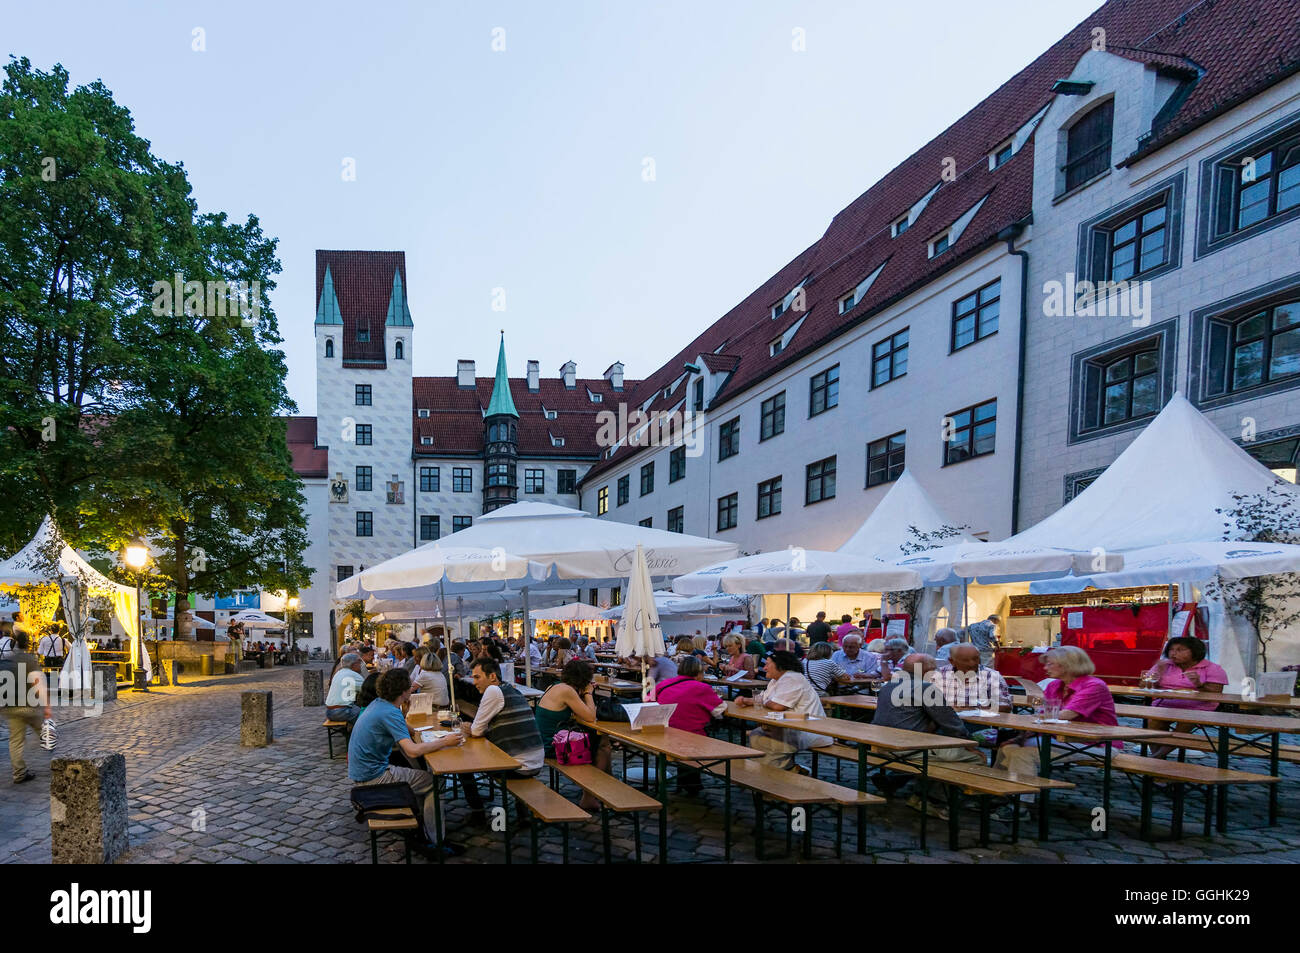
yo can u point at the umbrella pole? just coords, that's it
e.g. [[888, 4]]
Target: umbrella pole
[[965, 636], [527, 639], [1170, 627], [451, 676]]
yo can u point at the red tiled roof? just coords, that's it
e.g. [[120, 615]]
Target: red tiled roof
[[363, 285], [455, 420], [1242, 46], [308, 459]]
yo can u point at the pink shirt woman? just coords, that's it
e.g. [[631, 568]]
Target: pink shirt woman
[[1184, 667], [696, 702]]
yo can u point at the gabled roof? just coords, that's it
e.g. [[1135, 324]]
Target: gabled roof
[[309, 460], [364, 284]]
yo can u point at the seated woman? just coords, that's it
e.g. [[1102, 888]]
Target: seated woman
[[429, 679], [369, 690], [733, 659], [698, 706], [787, 690], [572, 695], [821, 671], [1183, 665], [563, 653]]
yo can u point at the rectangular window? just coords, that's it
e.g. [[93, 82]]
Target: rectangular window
[[728, 507], [698, 400], [363, 395], [624, 492], [1087, 150], [462, 480], [885, 458], [365, 523], [459, 523], [430, 479], [648, 478], [819, 481], [365, 478], [566, 481], [365, 435], [824, 391], [975, 316], [363, 334], [971, 432], [901, 225], [1000, 156], [677, 520], [429, 527], [534, 481], [602, 501], [772, 417], [889, 358], [1260, 186], [646, 522], [1250, 351], [939, 244], [501, 474], [769, 498], [676, 464], [1120, 387], [1137, 244], [345, 572], [729, 438]]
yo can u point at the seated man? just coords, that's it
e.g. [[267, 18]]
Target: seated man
[[894, 651], [944, 640], [913, 704], [854, 661], [968, 684], [382, 725], [341, 701], [505, 719]]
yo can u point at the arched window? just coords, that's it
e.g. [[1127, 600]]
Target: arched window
[[399, 351], [329, 347]]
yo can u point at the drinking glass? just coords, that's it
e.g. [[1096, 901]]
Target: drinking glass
[[1052, 710]]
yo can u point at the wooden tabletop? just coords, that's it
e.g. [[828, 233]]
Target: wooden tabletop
[[857, 732], [1217, 719], [865, 702], [1074, 730], [678, 745], [737, 683], [1286, 702]]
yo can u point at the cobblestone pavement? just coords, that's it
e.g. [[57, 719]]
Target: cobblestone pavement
[[196, 796]]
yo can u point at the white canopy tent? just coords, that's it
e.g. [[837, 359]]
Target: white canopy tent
[[796, 570], [1185, 562], [568, 612], [670, 604]]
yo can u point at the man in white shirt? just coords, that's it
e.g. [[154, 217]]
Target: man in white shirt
[[788, 690], [53, 647], [340, 702]]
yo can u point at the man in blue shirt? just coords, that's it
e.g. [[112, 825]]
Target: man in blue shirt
[[382, 725]]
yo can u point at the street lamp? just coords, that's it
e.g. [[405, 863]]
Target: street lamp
[[136, 557], [290, 616]]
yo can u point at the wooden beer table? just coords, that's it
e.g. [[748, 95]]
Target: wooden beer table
[[1277, 702]]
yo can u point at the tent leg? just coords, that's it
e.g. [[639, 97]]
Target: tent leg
[[527, 639]]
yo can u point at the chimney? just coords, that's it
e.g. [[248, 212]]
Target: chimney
[[534, 377], [465, 374], [569, 374], [614, 374]]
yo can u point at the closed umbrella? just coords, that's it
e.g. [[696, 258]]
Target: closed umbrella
[[640, 635]]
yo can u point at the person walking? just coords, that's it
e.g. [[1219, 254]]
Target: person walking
[[28, 674]]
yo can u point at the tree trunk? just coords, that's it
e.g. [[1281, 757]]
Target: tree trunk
[[184, 633]]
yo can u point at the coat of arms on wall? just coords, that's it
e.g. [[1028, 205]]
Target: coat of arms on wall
[[338, 489]]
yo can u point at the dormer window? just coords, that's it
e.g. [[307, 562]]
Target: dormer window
[[557, 441], [549, 414], [1000, 155], [363, 333], [426, 441], [776, 347], [900, 226], [594, 397], [329, 347], [848, 301], [1087, 146], [422, 412], [399, 350], [698, 402], [780, 308], [939, 244]]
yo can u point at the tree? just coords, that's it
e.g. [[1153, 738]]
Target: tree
[[1269, 603], [906, 600]]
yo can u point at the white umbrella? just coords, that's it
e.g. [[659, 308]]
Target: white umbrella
[[569, 612], [798, 570], [411, 575], [640, 636], [669, 603], [1004, 562], [256, 619], [1185, 562]]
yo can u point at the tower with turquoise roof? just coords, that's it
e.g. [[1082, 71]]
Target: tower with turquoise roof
[[500, 441]]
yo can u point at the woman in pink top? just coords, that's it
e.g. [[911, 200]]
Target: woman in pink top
[[697, 706], [1183, 665]]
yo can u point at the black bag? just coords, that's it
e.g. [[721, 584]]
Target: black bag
[[9, 676], [373, 800], [610, 709]]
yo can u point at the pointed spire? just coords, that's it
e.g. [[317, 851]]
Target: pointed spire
[[327, 309], [399, 315], [502, 402]]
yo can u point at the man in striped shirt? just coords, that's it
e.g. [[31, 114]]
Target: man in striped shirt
[[968, 684]]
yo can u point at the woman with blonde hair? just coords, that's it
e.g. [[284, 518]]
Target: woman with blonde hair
[[733, 659], [429, 679]]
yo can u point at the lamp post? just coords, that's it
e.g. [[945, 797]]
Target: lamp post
[[291, 617], [137, 558]]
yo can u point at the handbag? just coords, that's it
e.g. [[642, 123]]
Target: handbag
[[572, 747]]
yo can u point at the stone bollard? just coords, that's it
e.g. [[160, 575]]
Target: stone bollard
[[103, 678], [255, 719], [246, 665], [205, 664], [268, 659], [88, 808], [313, 687]]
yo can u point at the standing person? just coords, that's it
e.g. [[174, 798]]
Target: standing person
[[984, 636], [53, 646], [761, 627], [844, 628], [21, 717], [7, 643], [818, 630], [698, 706], [788, 690], [504, 718]]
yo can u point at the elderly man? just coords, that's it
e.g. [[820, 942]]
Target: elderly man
[[891, 656], [911, 703], [854, 660], [968, 684], [944, 640], [345, 686]]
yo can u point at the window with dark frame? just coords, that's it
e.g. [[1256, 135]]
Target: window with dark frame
[[973, 432], [1136, 245], [365, 435], [363, 334], [648, 478], [345, 572], [1120, 387], [769, 498], [624, 491], [459, 523], [429, 527], [1002, 155], [1087, 145], [772, 417], [939, 245], [886, 458], [889, 358], [729, 438], [728, 510], [363, 395], [824, 391], [975, 316], [1280, 456], [534, 481], [698, 400], [1258, 348], [602, 501], [365, 523], [677, 519], [648, 522], [819, 481], [365, 478], [430, 479], [329, 347], [566, 481], [462, 480], [1255, 187], [500, 474], [676, 464]]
